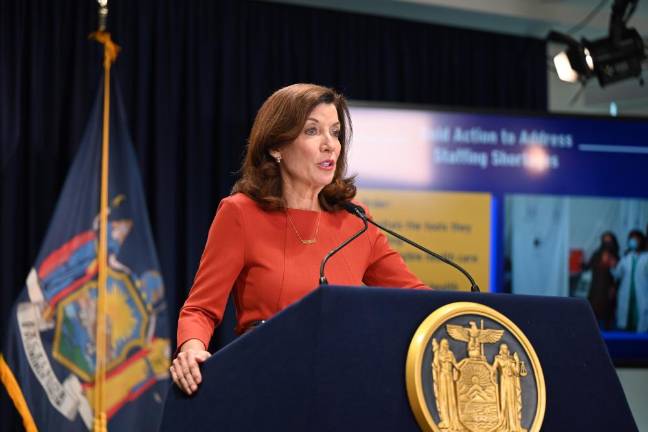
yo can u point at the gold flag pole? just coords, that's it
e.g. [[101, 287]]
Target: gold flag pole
[[110, 55]]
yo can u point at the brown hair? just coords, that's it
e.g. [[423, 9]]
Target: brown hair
[[279, 122]]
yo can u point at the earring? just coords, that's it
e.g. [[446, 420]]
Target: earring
[[278, 159]]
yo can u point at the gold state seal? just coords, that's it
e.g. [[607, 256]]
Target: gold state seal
[[471, 369]]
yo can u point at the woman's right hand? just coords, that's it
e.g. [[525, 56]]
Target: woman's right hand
[[185, 371]]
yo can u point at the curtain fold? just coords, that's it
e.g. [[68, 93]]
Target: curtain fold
[[193, 75]]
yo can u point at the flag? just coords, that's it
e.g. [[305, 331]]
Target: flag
[[48, 360]]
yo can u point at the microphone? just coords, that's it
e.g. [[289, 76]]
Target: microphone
[[322, 278], [359, 211]]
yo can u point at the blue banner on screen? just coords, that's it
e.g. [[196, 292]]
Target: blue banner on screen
[[499, 153], [559, 186]]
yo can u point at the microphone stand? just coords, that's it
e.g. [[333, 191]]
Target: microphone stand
[[322, 278], [359, 211]]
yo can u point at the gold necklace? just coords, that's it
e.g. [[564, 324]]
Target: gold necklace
[[307, 241]]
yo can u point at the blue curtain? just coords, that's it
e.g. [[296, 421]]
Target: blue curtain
[[193, 75]]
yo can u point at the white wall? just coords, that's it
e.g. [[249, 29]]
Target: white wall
[[635, 385]]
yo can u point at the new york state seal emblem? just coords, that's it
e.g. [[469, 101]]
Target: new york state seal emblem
[[471, 369]]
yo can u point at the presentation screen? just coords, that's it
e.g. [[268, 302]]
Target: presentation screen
[[528, 204]]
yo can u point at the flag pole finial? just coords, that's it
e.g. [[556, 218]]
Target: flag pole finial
[[111, 49], [103, 15]]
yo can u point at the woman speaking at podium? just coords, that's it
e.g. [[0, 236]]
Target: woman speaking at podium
[[268, 238]]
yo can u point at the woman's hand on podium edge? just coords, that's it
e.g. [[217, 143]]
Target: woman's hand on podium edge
[[185, 371]]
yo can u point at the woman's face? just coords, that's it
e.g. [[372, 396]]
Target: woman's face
[[310, 160]]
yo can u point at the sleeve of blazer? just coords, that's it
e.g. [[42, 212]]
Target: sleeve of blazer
[[220, 265]]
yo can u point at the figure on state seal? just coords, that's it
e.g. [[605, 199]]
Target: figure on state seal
[[510, 369], [445, 373]]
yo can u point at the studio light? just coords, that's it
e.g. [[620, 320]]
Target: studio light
[[617, 60], [564, 68], [613, 58], [575, 63]]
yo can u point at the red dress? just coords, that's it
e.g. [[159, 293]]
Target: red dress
[[258, 254]]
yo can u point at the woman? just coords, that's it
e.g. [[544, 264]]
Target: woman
[[602, 293], [269, 236], [445, 373], [510, 370]]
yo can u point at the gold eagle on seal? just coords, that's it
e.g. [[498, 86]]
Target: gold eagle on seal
[[476, 337]]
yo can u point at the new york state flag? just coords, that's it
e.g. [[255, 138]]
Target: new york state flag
[[48, 360]]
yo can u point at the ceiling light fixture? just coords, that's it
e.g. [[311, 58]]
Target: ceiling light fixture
[[611, 59]]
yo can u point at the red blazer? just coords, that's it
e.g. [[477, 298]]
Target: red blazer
[[258, 254]]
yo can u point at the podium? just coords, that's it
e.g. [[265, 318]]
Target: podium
[[335, 361]]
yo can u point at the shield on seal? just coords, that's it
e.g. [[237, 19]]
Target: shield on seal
[[477, 395]]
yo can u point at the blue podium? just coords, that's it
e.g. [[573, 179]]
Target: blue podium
[[335, 361]]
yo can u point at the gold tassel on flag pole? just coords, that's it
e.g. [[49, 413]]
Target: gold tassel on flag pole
[[100, 423]]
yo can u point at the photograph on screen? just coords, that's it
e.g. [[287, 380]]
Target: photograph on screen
[[586, 247]]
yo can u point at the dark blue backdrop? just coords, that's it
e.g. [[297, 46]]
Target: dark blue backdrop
[[193, 75]]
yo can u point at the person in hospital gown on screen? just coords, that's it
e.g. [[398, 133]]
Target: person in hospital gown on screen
[[632, 273]]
